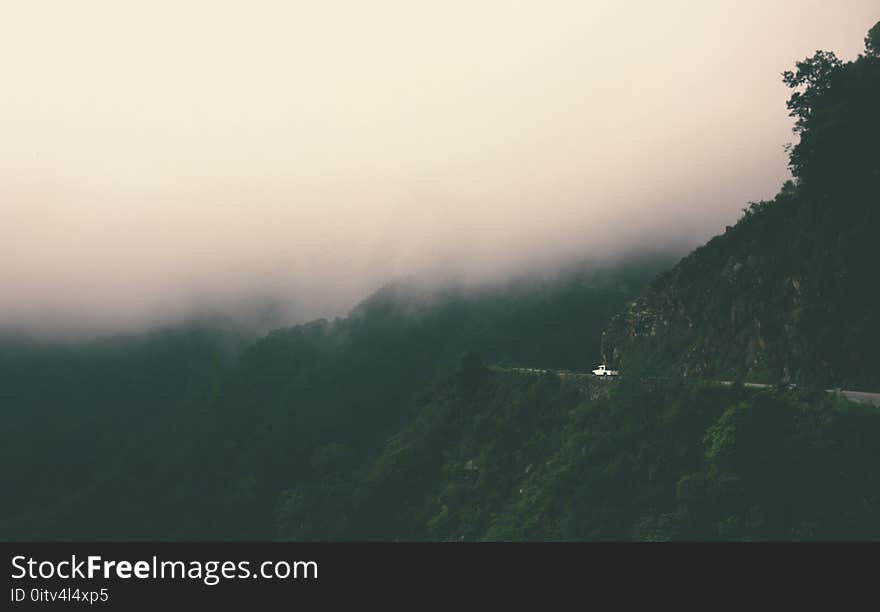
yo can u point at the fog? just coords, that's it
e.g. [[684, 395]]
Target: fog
[[164, 158]]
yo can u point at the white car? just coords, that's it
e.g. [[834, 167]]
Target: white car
[[602, 371]]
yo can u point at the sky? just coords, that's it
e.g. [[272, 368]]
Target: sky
[[167, 157]]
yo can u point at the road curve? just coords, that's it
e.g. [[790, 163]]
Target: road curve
[[860, 397]]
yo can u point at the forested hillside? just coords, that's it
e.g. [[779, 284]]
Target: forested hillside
[[193, 432], [791, 292], [409, 419], [788, 294], [510, 456]]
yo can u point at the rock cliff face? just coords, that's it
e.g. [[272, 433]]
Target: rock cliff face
[[792, 291], [788, 294]]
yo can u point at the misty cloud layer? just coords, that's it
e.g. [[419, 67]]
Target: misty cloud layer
[[170, 157]]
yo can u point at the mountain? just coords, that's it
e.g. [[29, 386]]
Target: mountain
[[436, 413], [791, 292], [192, 432]]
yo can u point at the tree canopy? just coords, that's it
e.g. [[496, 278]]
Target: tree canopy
[[835, 104], [872, 41]]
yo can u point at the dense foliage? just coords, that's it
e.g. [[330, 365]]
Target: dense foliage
[[194, 432], [791, 291], [528, 457]]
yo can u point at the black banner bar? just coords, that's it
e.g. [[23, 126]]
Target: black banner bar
[[274, 576]]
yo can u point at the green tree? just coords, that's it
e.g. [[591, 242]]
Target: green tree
[[810, 79], [872, 41]]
